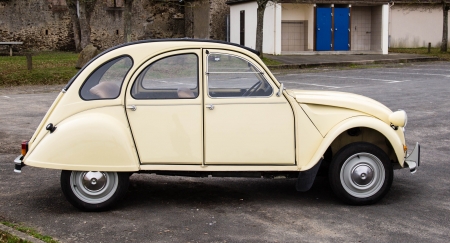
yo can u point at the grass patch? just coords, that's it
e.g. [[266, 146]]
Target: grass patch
[[48, 68], [28, 231], [270, 62], [6, 237], [435, 52]]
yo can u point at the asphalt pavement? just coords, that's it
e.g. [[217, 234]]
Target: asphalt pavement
[[308, 61], [180, 209]]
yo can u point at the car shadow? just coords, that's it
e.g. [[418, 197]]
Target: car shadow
[[162, 190]]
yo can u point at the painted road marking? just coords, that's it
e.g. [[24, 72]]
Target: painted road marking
[[425, 74], [371, 79], [427, 69], [319, 85]]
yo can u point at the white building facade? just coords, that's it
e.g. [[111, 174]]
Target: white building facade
[[297, 28], [413, 26]]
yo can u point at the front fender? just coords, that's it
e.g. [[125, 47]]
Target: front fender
[[93, 140], [396, 138]]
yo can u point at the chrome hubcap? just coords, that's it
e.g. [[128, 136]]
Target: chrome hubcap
[[362, 175], [94, 186], [94, 180]]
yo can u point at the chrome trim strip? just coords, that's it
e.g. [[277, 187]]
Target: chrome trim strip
[[413, 159]]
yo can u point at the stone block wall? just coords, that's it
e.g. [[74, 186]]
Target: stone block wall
[[36, 24], [206, 19], [218, 20], [46, 24]]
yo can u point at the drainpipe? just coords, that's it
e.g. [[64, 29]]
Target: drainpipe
[[390, 4], [275, 29], [228, 28]]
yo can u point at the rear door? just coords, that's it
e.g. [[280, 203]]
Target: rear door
[[164, 108]]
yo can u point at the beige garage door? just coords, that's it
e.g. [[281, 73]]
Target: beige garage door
[[294, 36]]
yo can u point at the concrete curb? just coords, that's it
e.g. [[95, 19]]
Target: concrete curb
[[349, 63], [19, 234]]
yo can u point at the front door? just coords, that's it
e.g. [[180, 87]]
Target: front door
[[245, 122], [165, 110]]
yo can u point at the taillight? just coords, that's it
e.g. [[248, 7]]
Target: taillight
[[24, 148]]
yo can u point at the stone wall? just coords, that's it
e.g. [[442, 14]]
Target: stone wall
[[218, 20], [46, 25], [206, 19], [36, 24], [151, 19]]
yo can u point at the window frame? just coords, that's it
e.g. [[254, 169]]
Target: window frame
[[100, 66], [139, 80], [244, 59]]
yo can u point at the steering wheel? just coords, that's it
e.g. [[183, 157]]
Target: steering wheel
[[252, 89]]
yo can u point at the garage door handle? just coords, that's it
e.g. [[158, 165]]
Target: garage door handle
[[131, 107], [211, 107]]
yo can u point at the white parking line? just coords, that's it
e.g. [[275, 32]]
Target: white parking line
[[319, 85], [434, 65], [426, 69], [425, 74], [6, 97], [371, 79]]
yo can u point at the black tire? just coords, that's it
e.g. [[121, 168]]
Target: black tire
[[361, 174], [93, 190]]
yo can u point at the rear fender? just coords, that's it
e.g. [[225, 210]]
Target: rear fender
[[93, 140]]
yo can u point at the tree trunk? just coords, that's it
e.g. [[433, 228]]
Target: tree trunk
[[259, 25], [444, 43], [72, 5], [85, 25], [127, 21]]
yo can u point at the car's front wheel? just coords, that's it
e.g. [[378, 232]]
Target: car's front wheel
[[93, 190], [361, 173]]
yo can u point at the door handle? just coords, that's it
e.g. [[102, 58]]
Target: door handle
[[131, 107], [211, 107]]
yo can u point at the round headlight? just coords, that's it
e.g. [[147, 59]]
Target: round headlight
[[398, 118]]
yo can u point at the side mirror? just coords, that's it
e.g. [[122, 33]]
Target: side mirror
[[280, 92]]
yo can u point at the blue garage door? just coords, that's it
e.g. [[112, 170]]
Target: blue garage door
[[341, 29], [323, 29]]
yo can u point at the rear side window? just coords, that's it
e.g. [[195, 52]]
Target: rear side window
[[172, 77], [106, 81]]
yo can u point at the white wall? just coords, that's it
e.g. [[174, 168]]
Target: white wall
[[272, 24], [295, 11], [250, 23], [385, 29], [413, 26], [272, 29]]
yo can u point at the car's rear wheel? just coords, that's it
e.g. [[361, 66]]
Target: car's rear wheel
[[361, 173], [93, 190]]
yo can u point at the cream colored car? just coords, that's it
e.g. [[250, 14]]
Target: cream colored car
[[207, 108]]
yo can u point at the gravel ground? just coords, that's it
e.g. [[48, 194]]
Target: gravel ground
[[178, 209]]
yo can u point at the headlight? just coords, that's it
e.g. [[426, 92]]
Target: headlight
[[398, 118]]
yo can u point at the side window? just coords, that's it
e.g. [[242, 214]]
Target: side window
[[172, 77], [231, 76], [106, 81]]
